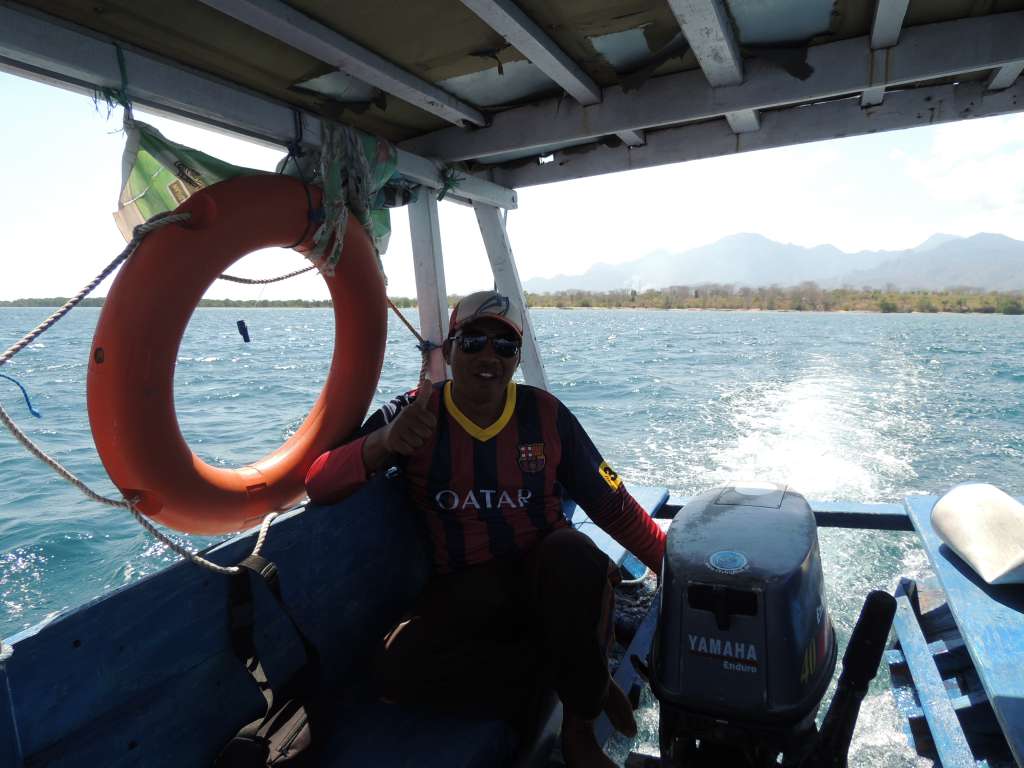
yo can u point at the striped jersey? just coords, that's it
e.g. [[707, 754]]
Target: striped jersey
[[493, 492]]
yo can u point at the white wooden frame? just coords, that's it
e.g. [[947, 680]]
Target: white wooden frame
[[1006, 76], [706, 27], [432, 294], [779, 128], [42, 48], [525, 35], [61, 54], [708, 30], [288, 25], [428, 263], [506, 278], [841, 69], [885, 33]]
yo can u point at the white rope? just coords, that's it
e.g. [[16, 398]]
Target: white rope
[[140, 232], [202, 562]]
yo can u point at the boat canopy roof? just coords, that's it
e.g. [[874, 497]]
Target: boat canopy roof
[[529, 91]]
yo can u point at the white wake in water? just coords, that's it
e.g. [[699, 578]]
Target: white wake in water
[[828, 434]]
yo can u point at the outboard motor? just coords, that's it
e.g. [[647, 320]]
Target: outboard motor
[[744, 649]]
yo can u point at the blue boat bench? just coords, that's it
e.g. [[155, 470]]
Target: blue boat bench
[[145, 675], [964, 659]]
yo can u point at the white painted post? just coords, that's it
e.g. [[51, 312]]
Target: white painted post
[[428, 263], [506, 278]]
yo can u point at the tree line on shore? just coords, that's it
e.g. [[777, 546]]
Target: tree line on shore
[[805, 297], [57, 301], [801, 298]]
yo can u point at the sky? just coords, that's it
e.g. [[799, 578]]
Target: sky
[[60, 157]]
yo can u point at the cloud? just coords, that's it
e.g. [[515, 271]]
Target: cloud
[[966, 139], [989, 177]]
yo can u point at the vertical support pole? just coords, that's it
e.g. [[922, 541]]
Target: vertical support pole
[[428, 263], [506, 277], [10, 744]]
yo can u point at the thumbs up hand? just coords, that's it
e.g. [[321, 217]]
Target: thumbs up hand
[[410, 430], [414, 425]]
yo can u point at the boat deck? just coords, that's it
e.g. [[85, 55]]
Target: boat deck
[[957, 675]]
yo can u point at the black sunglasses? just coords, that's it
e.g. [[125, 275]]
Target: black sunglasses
[[471, 343]]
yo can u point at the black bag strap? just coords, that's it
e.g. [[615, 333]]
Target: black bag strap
[[242, 626]]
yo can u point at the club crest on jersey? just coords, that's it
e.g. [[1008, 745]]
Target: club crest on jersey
[[531, 457], [610, 476]]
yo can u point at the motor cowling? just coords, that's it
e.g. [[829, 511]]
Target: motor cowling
[[744, 643]]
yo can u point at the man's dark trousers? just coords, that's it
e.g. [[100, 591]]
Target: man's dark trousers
[[485, 640]]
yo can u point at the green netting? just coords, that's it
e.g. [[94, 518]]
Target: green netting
[[353, 168]]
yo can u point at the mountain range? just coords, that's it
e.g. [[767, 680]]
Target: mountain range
[[984, 261]]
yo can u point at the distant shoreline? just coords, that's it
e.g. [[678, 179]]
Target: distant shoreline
[[805, 297], [1012, 309]]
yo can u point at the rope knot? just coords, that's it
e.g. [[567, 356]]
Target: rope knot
[[450, 180]]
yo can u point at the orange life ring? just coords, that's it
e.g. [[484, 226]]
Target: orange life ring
[[130, 385]]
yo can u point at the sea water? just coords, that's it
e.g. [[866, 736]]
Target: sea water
[[859, 407]]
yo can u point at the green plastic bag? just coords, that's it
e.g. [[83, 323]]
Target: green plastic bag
[[158, 175]]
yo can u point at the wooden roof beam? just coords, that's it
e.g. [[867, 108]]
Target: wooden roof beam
[[885, 33], [633, 138], [1005, 76], [840, 69], [708, 30], [525, 35], [888, 23], [278, 20], [782, 127], [58, 53], [744, 121]]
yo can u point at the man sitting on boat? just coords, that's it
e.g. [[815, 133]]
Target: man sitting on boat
[[518, 596]]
